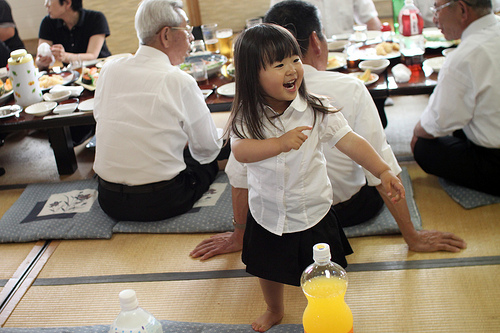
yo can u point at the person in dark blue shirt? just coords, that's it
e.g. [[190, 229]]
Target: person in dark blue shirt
[[73, 33], [9, 36]]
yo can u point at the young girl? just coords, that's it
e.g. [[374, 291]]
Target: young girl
[[277, 129]]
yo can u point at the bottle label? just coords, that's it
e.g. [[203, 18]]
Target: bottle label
[[414, 24]]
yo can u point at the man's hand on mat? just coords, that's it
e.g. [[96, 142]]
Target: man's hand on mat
[[433, 240], [218, 244]]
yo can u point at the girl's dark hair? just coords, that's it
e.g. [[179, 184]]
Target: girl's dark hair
[[254, 49]]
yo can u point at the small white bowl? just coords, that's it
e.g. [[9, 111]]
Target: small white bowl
[[376, 66], [40, 109], [435, 63], [65, 108], [57, 96]]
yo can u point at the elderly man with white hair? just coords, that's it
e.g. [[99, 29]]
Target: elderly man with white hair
[[157, 144]]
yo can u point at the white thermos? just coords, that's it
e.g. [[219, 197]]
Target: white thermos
[[24, 80]]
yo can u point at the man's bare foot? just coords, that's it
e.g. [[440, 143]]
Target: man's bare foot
[[266, 321]]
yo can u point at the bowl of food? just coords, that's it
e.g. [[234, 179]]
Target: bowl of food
[[375, 66], [214, 63], [40, 109]]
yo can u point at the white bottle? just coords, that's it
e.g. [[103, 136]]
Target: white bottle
[[132, 318]]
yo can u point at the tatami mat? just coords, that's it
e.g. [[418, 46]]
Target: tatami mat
[[437, 300]]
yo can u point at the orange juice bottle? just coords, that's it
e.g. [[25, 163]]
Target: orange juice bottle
[[324, 283]]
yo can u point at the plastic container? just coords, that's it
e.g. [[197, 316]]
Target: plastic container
[[412, 42], [22, 72], [132, 318], [324, 283]]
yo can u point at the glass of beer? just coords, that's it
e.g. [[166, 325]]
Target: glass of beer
[[211, 42], [225, 37]]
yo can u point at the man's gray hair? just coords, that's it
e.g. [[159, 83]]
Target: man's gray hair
[[153, 15], [481, 7]]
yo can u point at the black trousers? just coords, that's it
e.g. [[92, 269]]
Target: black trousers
[[360, 207], [160, 200], [457, 159]]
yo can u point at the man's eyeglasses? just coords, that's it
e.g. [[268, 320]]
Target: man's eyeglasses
[[187, 28], [435, 9]]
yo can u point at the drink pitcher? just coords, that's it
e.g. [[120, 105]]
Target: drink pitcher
[[22, 72]]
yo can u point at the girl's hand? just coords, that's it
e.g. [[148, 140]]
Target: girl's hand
[[59, 53], [293, 139], [392, 185]]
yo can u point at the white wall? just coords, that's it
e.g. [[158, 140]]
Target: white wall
[[28, 14]]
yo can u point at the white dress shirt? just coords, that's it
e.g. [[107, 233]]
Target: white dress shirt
[[291, 192], [354, 101], [339, 16], [467, 93], [356, 104], [146, 111]]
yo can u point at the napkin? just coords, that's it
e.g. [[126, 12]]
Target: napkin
[[44, 51], [401, 73], [75, 90]]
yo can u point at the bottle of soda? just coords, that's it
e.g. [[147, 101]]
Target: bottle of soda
[[132, 318], [324, 283], [412, 42]]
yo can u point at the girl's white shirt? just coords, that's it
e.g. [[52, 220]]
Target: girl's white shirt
[[291, 192]]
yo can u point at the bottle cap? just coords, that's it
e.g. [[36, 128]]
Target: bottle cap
[[128, 300], [321, 252], [385, 27]]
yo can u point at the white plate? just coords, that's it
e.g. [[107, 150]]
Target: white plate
[[434, 63], [373, 77], [206, 92], [87, 105], [228, 89], [369, 52], [6, 96], [40, 109], [67, 76], [57, 96], [341, 60], [65, 108], [7, 109], [337, 45]]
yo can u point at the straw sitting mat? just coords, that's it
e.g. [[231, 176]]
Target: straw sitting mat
[[69, 210]]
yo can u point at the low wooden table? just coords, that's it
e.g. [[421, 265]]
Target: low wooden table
[[60, 137]]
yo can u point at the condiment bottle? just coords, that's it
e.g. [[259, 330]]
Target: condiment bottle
[[324, 283], [25, 83]]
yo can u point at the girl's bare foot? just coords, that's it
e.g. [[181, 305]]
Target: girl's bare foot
[[266, 321]]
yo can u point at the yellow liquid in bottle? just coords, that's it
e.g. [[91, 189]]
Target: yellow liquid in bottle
[[326, 311]]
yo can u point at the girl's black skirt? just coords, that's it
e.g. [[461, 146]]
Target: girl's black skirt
[[284, 258]]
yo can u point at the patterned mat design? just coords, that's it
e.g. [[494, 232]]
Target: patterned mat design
[[69, 210], [466, 197]]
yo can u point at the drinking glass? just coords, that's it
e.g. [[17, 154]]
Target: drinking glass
[[199, 71], [253, 22], [225, 37], [211, 42]]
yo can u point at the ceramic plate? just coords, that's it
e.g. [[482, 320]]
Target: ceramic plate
[[337, 45], [6, 96], [434, 63], [336, 60], [373, 77], [369, 52], [65, 108], [5, 112], [68, 77], [228, 89], [206, 92], [40, 109], [214, 63], [87, 105], [57, 96]]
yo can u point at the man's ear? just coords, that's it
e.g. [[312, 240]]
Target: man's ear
[[314, 43]]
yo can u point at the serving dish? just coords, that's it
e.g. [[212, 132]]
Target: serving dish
[[373, 77], [57, 96], [227, 90], [40, 109], [376, 66], [336, 60], [214, 63]]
